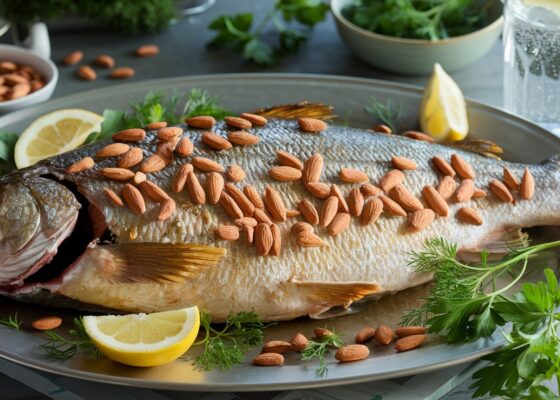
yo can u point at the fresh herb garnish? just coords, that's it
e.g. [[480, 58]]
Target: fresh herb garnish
[[199, 102], [225, 347], [386, 112], [319, 348], [61, 348], [236, 31], [11, 322], [7, 144]]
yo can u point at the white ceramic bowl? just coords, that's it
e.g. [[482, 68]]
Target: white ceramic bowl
[[417, 56], [42, 65]]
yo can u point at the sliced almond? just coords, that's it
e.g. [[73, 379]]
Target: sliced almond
[[185, 147], [240, 199], [131, 158], [418, 136], [309, 239], [216, 142], [352, 175], [154, 163], [355, 202], [81, 165], [130, 135], [405, 198], [501, 191], [435, 201], [299, 227], [342, 205], [409, 343], [113, 197], [368, 190], [153, 191], [276, 240], [227, 232], [242, 138], [139, 177], [463, 168], [206, 165], [391, 207], [169, 133], [527, 187], [268, 360], [239, 123], [469, 215], [351, 353], [112, 150], [446, 187], [196, 192], [257, 120], [180, 178], [261, 216], [308, 211], [246, 221], [235, 173], [403, 163], [133, 199], [284, 174], [339, 224], [420, 220], [230, 206], [313, 168], [254, 196], [319, 190], [202, 121], [263, 239], [214, 187], [391, 179], [372, 210], [312, 125], [510, 179], [118, 174], [443, 166], [274, 204], [167, 209], [288, 160], [328, 211]]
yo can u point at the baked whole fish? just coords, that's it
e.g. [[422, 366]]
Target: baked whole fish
[[64, 241]]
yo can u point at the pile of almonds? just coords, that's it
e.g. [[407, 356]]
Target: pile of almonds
[[18, 80], [407, 338]]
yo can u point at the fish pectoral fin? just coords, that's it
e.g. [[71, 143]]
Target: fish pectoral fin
[[302, 109], [497, 244], [158, 262], [332, 294]]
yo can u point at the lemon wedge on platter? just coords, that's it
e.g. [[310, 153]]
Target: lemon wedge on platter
[[55, 133], [144, 340], [443, 113]]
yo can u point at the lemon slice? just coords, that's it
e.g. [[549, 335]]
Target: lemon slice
[[443, 113], [144, 340], [55, 133]]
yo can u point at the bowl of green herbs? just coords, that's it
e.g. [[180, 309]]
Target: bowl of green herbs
[[409, 36]]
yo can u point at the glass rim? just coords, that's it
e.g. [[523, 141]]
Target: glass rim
[[517, 7]]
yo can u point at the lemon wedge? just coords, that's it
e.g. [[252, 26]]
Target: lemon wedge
[[144, 340], [55, 133], [443, 113]]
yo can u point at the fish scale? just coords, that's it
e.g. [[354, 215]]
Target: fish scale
[[299, 281]]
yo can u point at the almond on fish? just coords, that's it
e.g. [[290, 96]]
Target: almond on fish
[[130, 135], [339, 224], [284, 174], [214, 187], [253, 195], [355, 202], [242, 138], [382, 128], [463, 168], [368, 190], [114, 198], [478, 193], [153, 163], [372, 210], [180, 177], [185, 147], [309, 239], [289, 160], [446, 187], [301, 226], [133, 199], [239, 123], [215, 141], [246, 221], [527, 186], [312, 125], [290, 213], [227, 232], [196, 192], [469, 215], [138, 178], [153, 191], [263, 239], [230, 206], [443, 166], [420, 219], [235, 173], [261, 216], [206, 165], [202, 122], [117, 174], [500, 191], [391, 179], [320, 190], [313, 168], [405, 198], [510, 179], [274, 204], [391, 207], [403, 163], [328, 211], [130, 158], [418, 136], [240, 199], [112, 150], [167, 208], [308, 211], [435, 201], [342, 205], [465, 191], [169, 133], [80, 165], [257, 120], [352, 175], [276, 240]]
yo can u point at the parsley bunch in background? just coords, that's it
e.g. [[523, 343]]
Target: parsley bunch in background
[[291, 20]]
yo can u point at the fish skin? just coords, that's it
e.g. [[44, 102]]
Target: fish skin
[[375, 254]]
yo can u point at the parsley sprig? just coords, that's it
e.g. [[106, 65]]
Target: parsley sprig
[[12, 322], [319, 348]]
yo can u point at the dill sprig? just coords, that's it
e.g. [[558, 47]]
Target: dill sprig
[[386, 112], [11, 322], [61, 348], [225, 347], [320, 348], [199, 102]]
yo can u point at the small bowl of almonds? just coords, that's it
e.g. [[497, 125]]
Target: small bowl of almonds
[[25, 78]]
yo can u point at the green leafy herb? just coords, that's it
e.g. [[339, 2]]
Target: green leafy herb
[[11, 322], [387, 112], [321, 347], [7, 144], [236, 31], [199, 102], [113, 121], [227, 346], [61, 348]]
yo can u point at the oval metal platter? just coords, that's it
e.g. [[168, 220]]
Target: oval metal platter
[[521, 140]]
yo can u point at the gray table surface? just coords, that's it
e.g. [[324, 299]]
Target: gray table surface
[[183, 52]]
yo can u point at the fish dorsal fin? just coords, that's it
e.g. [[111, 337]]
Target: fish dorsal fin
[[497, 244], [302, 109], [479, 146], [332, 294], [158, 262]]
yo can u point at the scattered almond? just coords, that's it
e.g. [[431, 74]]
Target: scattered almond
[[276, 346], [47, 323], [147, 50], [478, 193], [235, 173], [122, 73], [465, 191], [240, 199], [104, 61], [18, 90], [215, 141], [312, 125], [214, 187], [446, 187], [288, 160], [384, 335], [257, 120], [501, 191], [368, 190], [169, 133], [246, 221], [133, 199], [154, 163], [391, 207], [185, 147], [242, 138], [443, 166], [351, 175], [117, 174], [86, 73], [165, 151], [112, 150], [463, 168], [403, 163], [418, 136], [340, 223], [227, 232], [510, 179], [355, 202], [206, 165], [410, 342], [138, 178], [131, 158], [435, 201], [321, 333], [328, 211], [260, 215], [274, 205], [352, 352], [527, 187], [405, 198], [313, 168], [14, 79], [130, 135], [469, 215], [263, 239], [201, 121], [319, 190], [381, 128], [365, 334], [81, 165], [372, 210], [292, 213], [167, 209], [73, 58], [154, 126], [419, 220], [268, 360], [254, 196], [301, 226], [230, 206], [113, 197], [309, 239], [153, 191], [284, 174], [404, 331], [248, 234], [239, 123], [180, 178], [342, 205], [196, 192], [299, 342], [391, 179], [308, 211], [276, 240]]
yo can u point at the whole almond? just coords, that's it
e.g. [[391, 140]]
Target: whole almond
[[169, 133], [81, 165], [291, 213], [248, 234], [299, 342], [274, 205], [510, 179], [133, 199], [527, 187], [240, 199], [465, 191], [309, 239], [19, 90], [355, 202], [418, 136], [420, 220], [384, 335], [86, 73], [321, 333], [391, 207], [443, 166], [405, 198], [235, 173], [409, 342], [14, 79], [276, 346], [469, 215], [47, 323], [276, 240], [261, 216], [227, 232], [201, 121], [246, 221], [112, 150], [340, 223], [154, 163], [73, 58], [328, 211], [365, 334], [242, 138], [147, 50], [404, 331], [165, 151], [382, 128], [167, 209], [352, 175], [268, 360], [206, 165], [501, 191], [312, 125], [122, 73], [154, 126], [463, 168], [196, 192], [104, 61], [3, 89], [478, 193], [153, 191], [435, 201], [118, 174], [257, 120], [391, 179], [239, 123], [7, 66], [288, 160], [313, 168], [284, 174], [230, 206], [372, 210], [214, 187], [132, 157], [368, 190], [299, 227], [403, 163], [319, 190], [351, 352], [185, 147], [114, 198], [180, 178], [263, 239], [138, 178], [36, 85], [130, 135], [446, 187], [215, 141], [254, 196], [342, 205], [309, 212]]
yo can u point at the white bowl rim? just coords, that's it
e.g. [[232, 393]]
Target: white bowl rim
[[50, 83], [425, 42]]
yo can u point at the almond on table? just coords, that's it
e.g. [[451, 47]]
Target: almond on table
[[122, 73]]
